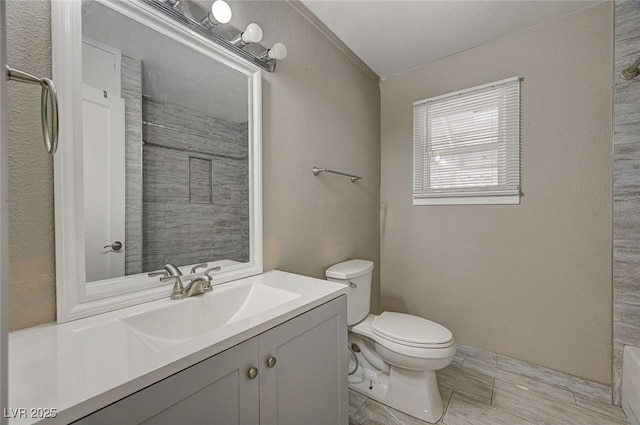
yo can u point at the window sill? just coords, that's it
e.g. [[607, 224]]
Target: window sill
[[469, 200]]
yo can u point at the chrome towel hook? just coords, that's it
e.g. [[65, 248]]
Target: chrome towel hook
[[50, 133], [631, 72]]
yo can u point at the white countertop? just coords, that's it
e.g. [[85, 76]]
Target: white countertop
[[81, 366]]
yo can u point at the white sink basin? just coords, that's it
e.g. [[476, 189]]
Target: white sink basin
[[183, 320]]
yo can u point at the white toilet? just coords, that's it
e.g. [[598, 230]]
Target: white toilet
[[396, 355]]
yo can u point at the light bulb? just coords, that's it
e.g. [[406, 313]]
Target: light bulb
[[278, 51], [221, 11], [253, 33]]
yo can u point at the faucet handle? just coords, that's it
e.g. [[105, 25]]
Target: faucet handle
[[197, 266], [178, 288], [211, 270], [158, 273]]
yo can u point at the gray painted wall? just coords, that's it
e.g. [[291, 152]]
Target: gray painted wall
[[531, 281], [626, 188], [319, 109], [31, 229]]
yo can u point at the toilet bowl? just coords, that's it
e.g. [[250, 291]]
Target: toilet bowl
[[394, 355]]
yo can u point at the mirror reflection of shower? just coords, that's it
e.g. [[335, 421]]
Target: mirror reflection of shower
[[165, 136]]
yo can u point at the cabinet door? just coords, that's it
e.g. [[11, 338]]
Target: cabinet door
[[216, 391], [308, 383]]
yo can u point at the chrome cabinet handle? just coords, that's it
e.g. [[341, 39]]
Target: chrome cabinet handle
[[252, 373], [116, 246], [50, 134], [271, 361]]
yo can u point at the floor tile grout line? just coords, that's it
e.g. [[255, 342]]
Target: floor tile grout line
[[493, 391], [504, 411], [448, 403]]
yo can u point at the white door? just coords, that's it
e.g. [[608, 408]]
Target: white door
[[103, 143]]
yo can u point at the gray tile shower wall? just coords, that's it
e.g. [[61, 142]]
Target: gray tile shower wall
[[131, 92], [626, 190], [196, 191]]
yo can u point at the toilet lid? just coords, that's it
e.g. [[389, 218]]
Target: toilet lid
[[412, 330]]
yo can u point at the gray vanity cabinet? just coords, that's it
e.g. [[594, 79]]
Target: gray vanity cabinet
[[301, 380], [214, 391], [307, 385]]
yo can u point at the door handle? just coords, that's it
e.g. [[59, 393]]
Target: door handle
[[116, 246]]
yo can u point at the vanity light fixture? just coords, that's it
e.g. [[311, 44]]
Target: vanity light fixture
[[206, 23], [220, 13], [252, 34]]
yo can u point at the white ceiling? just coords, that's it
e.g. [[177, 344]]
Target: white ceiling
[[394, 36]]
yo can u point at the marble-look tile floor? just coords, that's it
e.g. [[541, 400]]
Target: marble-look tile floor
[[476, 392]]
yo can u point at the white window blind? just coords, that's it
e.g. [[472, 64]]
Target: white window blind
[[466, 146]]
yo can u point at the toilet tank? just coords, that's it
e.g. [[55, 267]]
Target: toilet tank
[[357, 274]]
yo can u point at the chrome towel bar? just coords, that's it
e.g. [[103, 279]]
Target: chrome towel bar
[[50, 134], [316, 171]]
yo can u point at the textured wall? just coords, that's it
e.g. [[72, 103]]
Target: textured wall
[[31, 229], [531, 281], [319, 109], [626, 188]]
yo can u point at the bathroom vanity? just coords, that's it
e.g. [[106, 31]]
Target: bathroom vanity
[[180, 192], [273, 351]]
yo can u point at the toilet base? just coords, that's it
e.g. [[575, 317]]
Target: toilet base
[[413, 393]]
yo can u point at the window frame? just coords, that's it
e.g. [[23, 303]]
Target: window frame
[[507, 191]]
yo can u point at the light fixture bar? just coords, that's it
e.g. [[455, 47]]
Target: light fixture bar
[[264, 62]]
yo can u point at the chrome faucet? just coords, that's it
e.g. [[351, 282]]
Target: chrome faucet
[[197, 286]]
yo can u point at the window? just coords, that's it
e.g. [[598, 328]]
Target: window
[[466, 146]]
